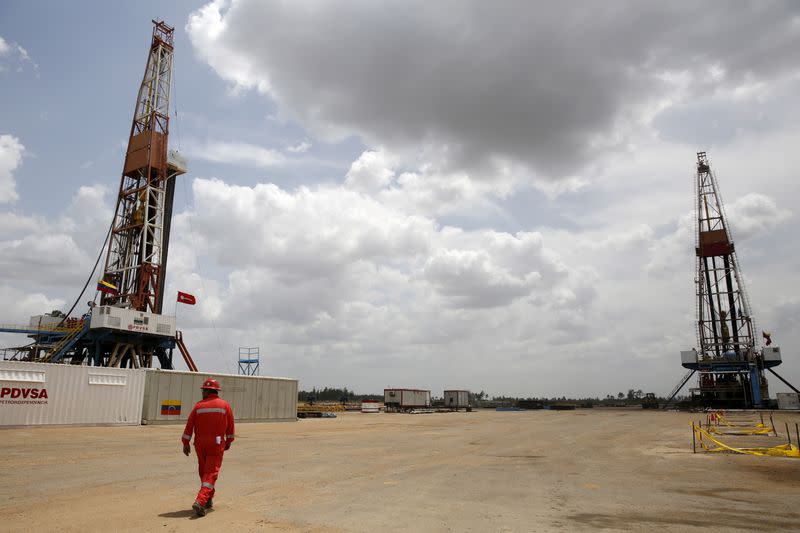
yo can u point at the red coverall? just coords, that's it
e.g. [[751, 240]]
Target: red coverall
[[211, 420]]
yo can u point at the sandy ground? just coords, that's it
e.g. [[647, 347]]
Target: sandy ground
[[628, 470]]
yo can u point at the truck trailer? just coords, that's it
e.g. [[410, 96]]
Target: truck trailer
[[405, 400]]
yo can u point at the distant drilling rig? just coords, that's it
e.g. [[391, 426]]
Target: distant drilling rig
[[729, 364], [127, 328]]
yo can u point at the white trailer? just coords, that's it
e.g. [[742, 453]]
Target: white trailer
[[399, 400], [169, 396], [370, 406], [38, 394], [456, 399]]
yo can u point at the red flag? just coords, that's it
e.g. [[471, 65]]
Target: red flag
[[186, 298]]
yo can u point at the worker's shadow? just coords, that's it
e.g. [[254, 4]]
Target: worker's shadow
[[184, 513]]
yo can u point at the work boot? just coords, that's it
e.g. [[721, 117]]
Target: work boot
[[199, 509], [210, 503]]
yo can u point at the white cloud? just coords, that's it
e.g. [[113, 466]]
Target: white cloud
[[16, 53], [751, 216], [234, 153], [337, 276], [300, 148], [25, 305], [426, 189], [53, 258], [370, 172], [755, 214], [297, 256], [14, 225], [59, 251], [671, 253], [11, 151]]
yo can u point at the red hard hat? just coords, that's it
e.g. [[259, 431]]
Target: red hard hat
[[211, 384]]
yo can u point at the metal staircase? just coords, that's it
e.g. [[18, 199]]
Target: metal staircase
[[678, 388], [65, 343]]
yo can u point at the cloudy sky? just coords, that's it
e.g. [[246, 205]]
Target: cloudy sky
[[452, 194]]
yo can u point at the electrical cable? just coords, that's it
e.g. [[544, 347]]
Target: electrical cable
[[89, 279]]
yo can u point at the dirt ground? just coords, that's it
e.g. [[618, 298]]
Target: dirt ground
[[628, 470]]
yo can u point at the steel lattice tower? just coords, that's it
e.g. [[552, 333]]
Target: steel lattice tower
[[128, 328], [730, 365], [724, 323], [139, 239], [731, 370]]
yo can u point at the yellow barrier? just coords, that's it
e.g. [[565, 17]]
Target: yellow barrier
[[782, 450], [719, 417]]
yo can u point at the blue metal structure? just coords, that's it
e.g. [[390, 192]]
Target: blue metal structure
[[93, 346], [249, 361]]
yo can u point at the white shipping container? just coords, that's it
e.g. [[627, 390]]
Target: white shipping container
[[689, 356], [110, 317], [788, 400], [45, 321], [772, 354], [456, 399], [407, 398], [43, 394], [169, 396], [370, 406]]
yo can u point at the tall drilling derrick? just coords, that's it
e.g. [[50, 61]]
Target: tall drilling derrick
[[128, 327], [137, 251], [730, 367]]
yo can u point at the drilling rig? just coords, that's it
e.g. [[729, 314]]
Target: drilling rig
[[127, 328], [728, 360]]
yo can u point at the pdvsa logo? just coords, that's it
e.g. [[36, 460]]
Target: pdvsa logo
[[28, 393]]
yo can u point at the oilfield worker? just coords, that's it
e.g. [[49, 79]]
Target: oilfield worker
[[211, 420]]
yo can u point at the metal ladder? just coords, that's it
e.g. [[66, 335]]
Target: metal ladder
[[68, 341], [678, 387]]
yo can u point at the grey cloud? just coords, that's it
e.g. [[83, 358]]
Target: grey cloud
[[470, 278], [476, 84]]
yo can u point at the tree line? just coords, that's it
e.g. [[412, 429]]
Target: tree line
[[343, 394]]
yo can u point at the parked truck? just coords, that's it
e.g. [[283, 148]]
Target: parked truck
[[650, 401]]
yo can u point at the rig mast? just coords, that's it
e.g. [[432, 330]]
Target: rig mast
[[139, 240], [128, 327], [730, 366], [724, 324]]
